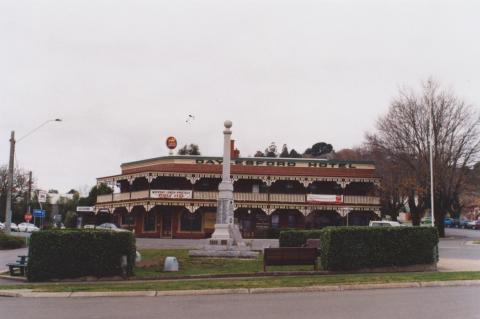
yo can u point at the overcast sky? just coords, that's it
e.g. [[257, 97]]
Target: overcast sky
[[124, 75]]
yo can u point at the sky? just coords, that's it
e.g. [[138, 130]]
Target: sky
[[125, 75]]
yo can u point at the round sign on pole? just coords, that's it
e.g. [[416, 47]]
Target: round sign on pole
[[171, 142], [28, 217]]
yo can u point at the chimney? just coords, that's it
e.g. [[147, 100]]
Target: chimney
[[234, 153]]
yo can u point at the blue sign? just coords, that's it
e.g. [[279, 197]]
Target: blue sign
[[39, 213]]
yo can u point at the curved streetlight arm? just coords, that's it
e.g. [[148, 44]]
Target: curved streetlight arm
[[37, 128], [8, 206]]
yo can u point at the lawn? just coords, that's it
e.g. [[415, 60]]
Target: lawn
[[298, 281], [152, 265]]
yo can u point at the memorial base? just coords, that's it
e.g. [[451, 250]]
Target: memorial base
[[226, 242]]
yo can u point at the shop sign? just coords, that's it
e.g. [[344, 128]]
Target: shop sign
[[327, 199], [171, 142], [170, 194], [86, 209]]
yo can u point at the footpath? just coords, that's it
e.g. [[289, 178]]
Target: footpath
[[29, 293]]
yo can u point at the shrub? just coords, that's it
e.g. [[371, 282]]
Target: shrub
[[75, 253], [349, 248], [11, 242], [297, 238], [71, 220]]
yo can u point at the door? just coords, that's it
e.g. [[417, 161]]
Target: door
[[166, 225]]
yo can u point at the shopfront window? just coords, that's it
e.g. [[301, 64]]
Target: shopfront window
[[150, 222], [191, 222], [275, 221]]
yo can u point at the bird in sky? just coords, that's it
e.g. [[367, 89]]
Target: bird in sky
[[189, 119]]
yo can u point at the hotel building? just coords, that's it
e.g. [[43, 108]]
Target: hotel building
[[176, 196]]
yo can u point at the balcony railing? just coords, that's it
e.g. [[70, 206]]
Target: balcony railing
[[287, 198], [242, 197], [361, 200]]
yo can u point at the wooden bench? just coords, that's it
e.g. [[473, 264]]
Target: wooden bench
[[289, 256], [21, 265], [313, 243]]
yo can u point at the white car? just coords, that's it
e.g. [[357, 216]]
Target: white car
[[27, 227], [384, 223], [109, 226], [13, 227]]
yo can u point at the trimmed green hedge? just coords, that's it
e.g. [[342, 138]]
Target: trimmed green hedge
[[297, 238], [350, 248], [58, 254], [11, 242]]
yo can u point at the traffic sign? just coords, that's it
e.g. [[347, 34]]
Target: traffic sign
[[27, 217], [39, 213]]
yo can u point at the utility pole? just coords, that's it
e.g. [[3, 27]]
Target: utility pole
[[431, 138], [8, 206], [29, 195]]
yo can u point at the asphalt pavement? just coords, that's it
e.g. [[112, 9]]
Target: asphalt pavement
[[424, 303]]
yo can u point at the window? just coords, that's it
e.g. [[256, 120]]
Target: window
[[275, 221], [291, 221], [190, 222], [150, 222], [127, 219]]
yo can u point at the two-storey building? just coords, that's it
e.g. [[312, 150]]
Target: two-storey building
[[176, 196]]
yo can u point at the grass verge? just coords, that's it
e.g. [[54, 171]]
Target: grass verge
[[151, 266], [270, 282]]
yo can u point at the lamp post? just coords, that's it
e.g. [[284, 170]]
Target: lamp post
[[8, 206], [431, 141]]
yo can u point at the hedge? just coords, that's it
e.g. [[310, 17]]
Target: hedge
[[59, 254], [11, 242], [297, 238], [350, 248]]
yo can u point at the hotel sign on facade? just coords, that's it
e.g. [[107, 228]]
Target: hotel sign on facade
[[170, 194], [324, 199], [273, 162]]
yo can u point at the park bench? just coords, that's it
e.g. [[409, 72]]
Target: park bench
[[313, 243], [289, 256], [21, 265]]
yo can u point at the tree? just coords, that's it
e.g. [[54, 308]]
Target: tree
[[294, 154], [71, 219], [403, 135], [271, 150], [91, 199], [284, 152], [318, 149], [19, 193], [191, 149], [259, 154]]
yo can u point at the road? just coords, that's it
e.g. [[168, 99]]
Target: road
[[438, 303]]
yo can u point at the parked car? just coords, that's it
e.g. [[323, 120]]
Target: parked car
[[384, 223], [27, 227], [449, 222], [89, 226], [109, 226], [13, 227], [474, 224], [2, 226], [463, 223]]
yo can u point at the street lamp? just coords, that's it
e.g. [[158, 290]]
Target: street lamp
[[431, 140], [8, 206]]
